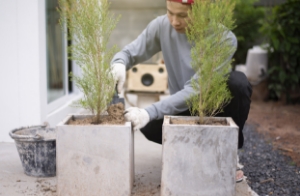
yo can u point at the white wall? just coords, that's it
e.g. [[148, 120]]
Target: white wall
[[23, 100], [21, 68]]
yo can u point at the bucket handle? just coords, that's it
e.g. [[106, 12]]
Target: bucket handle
[[26, 137]]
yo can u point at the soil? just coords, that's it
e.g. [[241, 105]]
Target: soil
[[115, 116], [45, 187], [184, 121], [279, 124]]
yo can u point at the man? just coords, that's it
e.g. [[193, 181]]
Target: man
[[167, 34]]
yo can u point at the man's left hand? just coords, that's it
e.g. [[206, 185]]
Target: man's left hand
[[137, 116]]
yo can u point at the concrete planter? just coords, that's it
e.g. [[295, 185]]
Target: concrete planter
[[94, 159], [199, 159]]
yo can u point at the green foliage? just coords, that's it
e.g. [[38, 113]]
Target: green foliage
[[210, 23], [282, 30], [90, 25], [248, 20]]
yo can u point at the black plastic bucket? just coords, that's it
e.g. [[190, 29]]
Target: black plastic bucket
[[36, 146]]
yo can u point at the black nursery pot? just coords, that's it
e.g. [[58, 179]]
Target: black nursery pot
[[36, 146]]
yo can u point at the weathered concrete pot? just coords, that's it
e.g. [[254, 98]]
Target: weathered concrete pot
[[94, 159], [199, 160]]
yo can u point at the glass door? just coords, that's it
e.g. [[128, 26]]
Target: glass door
[[57, 68]]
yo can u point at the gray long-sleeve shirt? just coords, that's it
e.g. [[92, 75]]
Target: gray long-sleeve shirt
[[158, 36]]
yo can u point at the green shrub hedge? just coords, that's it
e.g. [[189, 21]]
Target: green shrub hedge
[[248, 20], [282, 31]]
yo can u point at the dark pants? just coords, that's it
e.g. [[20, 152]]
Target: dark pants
[[237, 109]]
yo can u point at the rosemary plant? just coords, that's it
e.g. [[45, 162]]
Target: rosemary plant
[[210, 23], [90, 25]]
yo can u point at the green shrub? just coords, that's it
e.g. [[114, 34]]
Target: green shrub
[[210, 22], [90, 25], [282, 31], [248, 21]]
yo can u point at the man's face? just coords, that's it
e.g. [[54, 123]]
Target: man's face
[[178, 15]]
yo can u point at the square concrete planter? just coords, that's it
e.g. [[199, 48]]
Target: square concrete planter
[[94, 159], [199, 160]]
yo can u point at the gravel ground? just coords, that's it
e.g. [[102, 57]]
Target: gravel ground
[[268, 171]]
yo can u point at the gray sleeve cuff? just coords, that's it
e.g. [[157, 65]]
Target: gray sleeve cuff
[[120, 58], [152, 112]]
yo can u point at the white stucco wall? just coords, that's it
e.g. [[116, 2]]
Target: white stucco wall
[[20, 101], [23, 100]]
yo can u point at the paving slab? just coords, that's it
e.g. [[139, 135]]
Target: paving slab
[[13, 181]]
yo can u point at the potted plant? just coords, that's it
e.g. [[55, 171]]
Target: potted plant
[[94, 152], [200, 153]]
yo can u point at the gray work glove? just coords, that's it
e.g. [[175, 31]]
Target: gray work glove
[[119, 74], [137, 116]]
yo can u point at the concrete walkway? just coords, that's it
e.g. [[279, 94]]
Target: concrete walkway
[[13, 182]]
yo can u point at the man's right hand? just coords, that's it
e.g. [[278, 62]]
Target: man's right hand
[[137, 116], [119, 74]]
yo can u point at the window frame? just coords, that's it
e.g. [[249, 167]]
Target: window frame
[[68, 97]]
